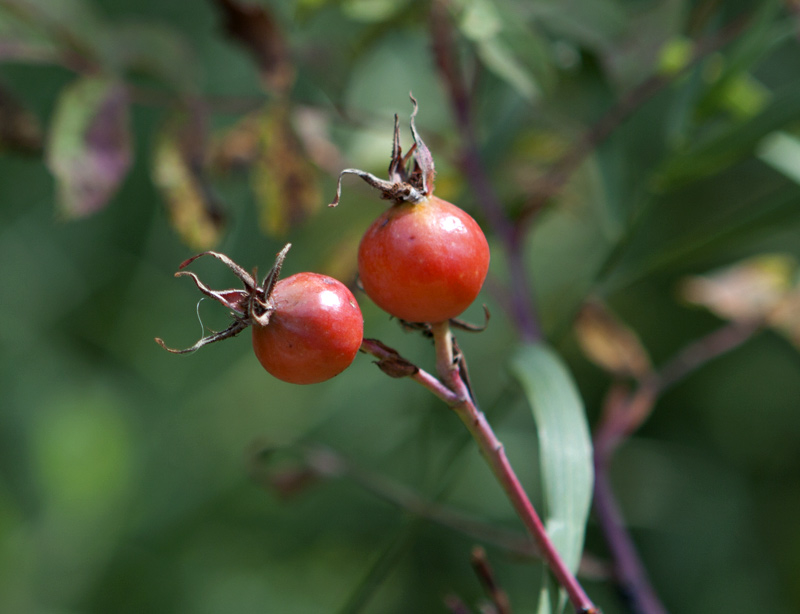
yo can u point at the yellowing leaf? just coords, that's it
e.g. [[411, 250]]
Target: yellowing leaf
[[236, 147], [284, 180], [176, 171], [749, 290], [611, 345], [785, 318]]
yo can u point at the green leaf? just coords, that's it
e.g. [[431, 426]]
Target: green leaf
[[89, 145], [22, 40], [781, 151], [482, 24], [565, 449], [716, 153], [498, 58], [596, 24]]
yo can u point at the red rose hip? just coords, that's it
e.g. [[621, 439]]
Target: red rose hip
[[314, 332], [423, 261]]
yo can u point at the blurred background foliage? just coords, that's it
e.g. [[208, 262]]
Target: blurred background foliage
[[133, 134]]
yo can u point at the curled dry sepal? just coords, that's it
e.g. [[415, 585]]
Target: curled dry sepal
[[426, 329], [410, 176], [389, 360], [253, 305]]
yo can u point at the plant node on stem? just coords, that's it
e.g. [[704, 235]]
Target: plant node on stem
[[452, 387]]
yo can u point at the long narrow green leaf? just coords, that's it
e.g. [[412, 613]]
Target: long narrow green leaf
[[565, 450]]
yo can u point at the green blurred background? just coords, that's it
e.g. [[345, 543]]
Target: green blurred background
[[130, 479]]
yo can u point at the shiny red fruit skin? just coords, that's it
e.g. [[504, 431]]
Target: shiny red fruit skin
[[313, 334], [423, 262]]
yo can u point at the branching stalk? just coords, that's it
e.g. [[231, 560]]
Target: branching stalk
[[452, 389]]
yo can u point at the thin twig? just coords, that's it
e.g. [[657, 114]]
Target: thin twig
[[325, 462], [626, 411], [453, 390], [493, 452], [485, 573], [630, 574]]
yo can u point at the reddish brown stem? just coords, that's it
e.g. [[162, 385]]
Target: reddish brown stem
[[451, 388], [485, 573], [493, 452], [624, 413], [631, 576]]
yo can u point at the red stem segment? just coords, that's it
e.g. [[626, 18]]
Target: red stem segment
[[493, 452], [452, 388]]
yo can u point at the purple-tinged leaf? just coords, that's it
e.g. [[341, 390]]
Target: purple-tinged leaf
[[89, 145]]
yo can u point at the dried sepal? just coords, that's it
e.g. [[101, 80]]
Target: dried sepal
[[260, 305], [234, 329], [422, 155], [253, 305], [469, 327], [425, 327], [389, 360], [246, 278], [407, 182], [224, 297], [388, 189], [396, 164]]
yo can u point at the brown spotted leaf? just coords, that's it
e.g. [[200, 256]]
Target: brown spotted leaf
[[178, 171], [764, 288], [785, 318], [89, 145], [284, 180]]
